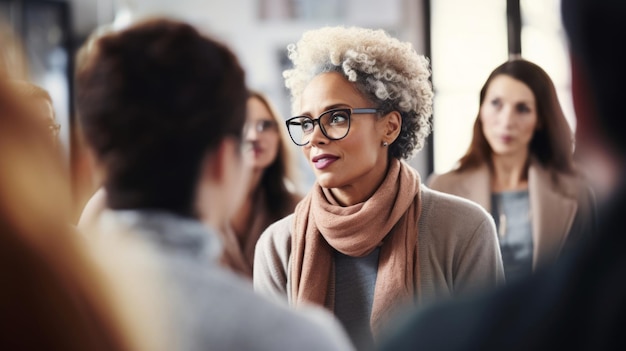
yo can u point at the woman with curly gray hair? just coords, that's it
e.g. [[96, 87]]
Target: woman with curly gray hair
[[369, 238]]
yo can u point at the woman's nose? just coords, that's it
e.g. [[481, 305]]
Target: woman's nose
[[507, 117], [251, 132], [317, 136]]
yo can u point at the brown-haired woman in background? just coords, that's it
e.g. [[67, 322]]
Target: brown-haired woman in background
[[520, 167], [272, 189]]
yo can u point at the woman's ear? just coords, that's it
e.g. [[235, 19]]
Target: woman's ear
[[392, 126], [216, 165], [219, 190], [209, 188]]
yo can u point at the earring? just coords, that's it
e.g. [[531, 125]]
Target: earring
[[385, 143]]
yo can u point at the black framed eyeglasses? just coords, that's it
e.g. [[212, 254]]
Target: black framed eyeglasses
[[334, 124]]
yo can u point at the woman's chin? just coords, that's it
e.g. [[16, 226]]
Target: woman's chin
[[328, 181]]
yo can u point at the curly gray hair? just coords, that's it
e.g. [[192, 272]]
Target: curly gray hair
[[389, 72]]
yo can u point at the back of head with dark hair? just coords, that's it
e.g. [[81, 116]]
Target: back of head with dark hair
[[596, 30], [552, 143], [153, 100]]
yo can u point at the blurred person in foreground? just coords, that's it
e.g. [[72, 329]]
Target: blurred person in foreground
[[520, 167], [580, 302], [163, 108], [369, 239], [271, 191], [56, 292]]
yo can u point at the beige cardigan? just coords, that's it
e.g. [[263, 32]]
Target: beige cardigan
[[458, 251], [558, 213]]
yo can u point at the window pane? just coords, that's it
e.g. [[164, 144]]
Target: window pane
[[469, 39]]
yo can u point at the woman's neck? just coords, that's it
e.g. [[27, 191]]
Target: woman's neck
[[255, 181], [353, 194], [509, 172]]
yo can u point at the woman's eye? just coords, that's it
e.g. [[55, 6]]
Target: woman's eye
[[339, 118], [496, 102], [307, 126], [522, 108]]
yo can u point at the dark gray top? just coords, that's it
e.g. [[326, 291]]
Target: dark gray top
[[355, 280], [511, 212]]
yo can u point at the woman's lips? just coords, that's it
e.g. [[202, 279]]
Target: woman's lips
[[257, 150], [506, 139], [323, 161]]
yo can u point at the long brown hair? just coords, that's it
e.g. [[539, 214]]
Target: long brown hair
[[552, 142], [281, 175]]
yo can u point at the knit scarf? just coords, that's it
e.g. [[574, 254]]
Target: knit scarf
[[389, 219]]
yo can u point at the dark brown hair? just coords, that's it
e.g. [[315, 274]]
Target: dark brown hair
[[552, 142], [154, 100]]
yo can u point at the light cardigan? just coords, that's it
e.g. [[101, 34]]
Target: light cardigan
[[561, 215], [457, 245]]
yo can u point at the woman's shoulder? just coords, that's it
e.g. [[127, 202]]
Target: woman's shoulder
[[451, 227], [448, 219], [271, 254], [277, 235], [450, 177], [438, 180], [448, 180], [281, 225], [450, 207], [572, 184]]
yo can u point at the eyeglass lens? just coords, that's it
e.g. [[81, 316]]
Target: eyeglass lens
[[261, 125], [334, 124]]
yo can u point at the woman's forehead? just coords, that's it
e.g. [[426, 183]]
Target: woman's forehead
[[330, 90]]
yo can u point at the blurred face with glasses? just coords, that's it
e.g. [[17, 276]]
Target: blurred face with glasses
[[261, 135], [341, 134]]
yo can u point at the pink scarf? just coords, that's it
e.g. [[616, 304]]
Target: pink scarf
[[388, 219]]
